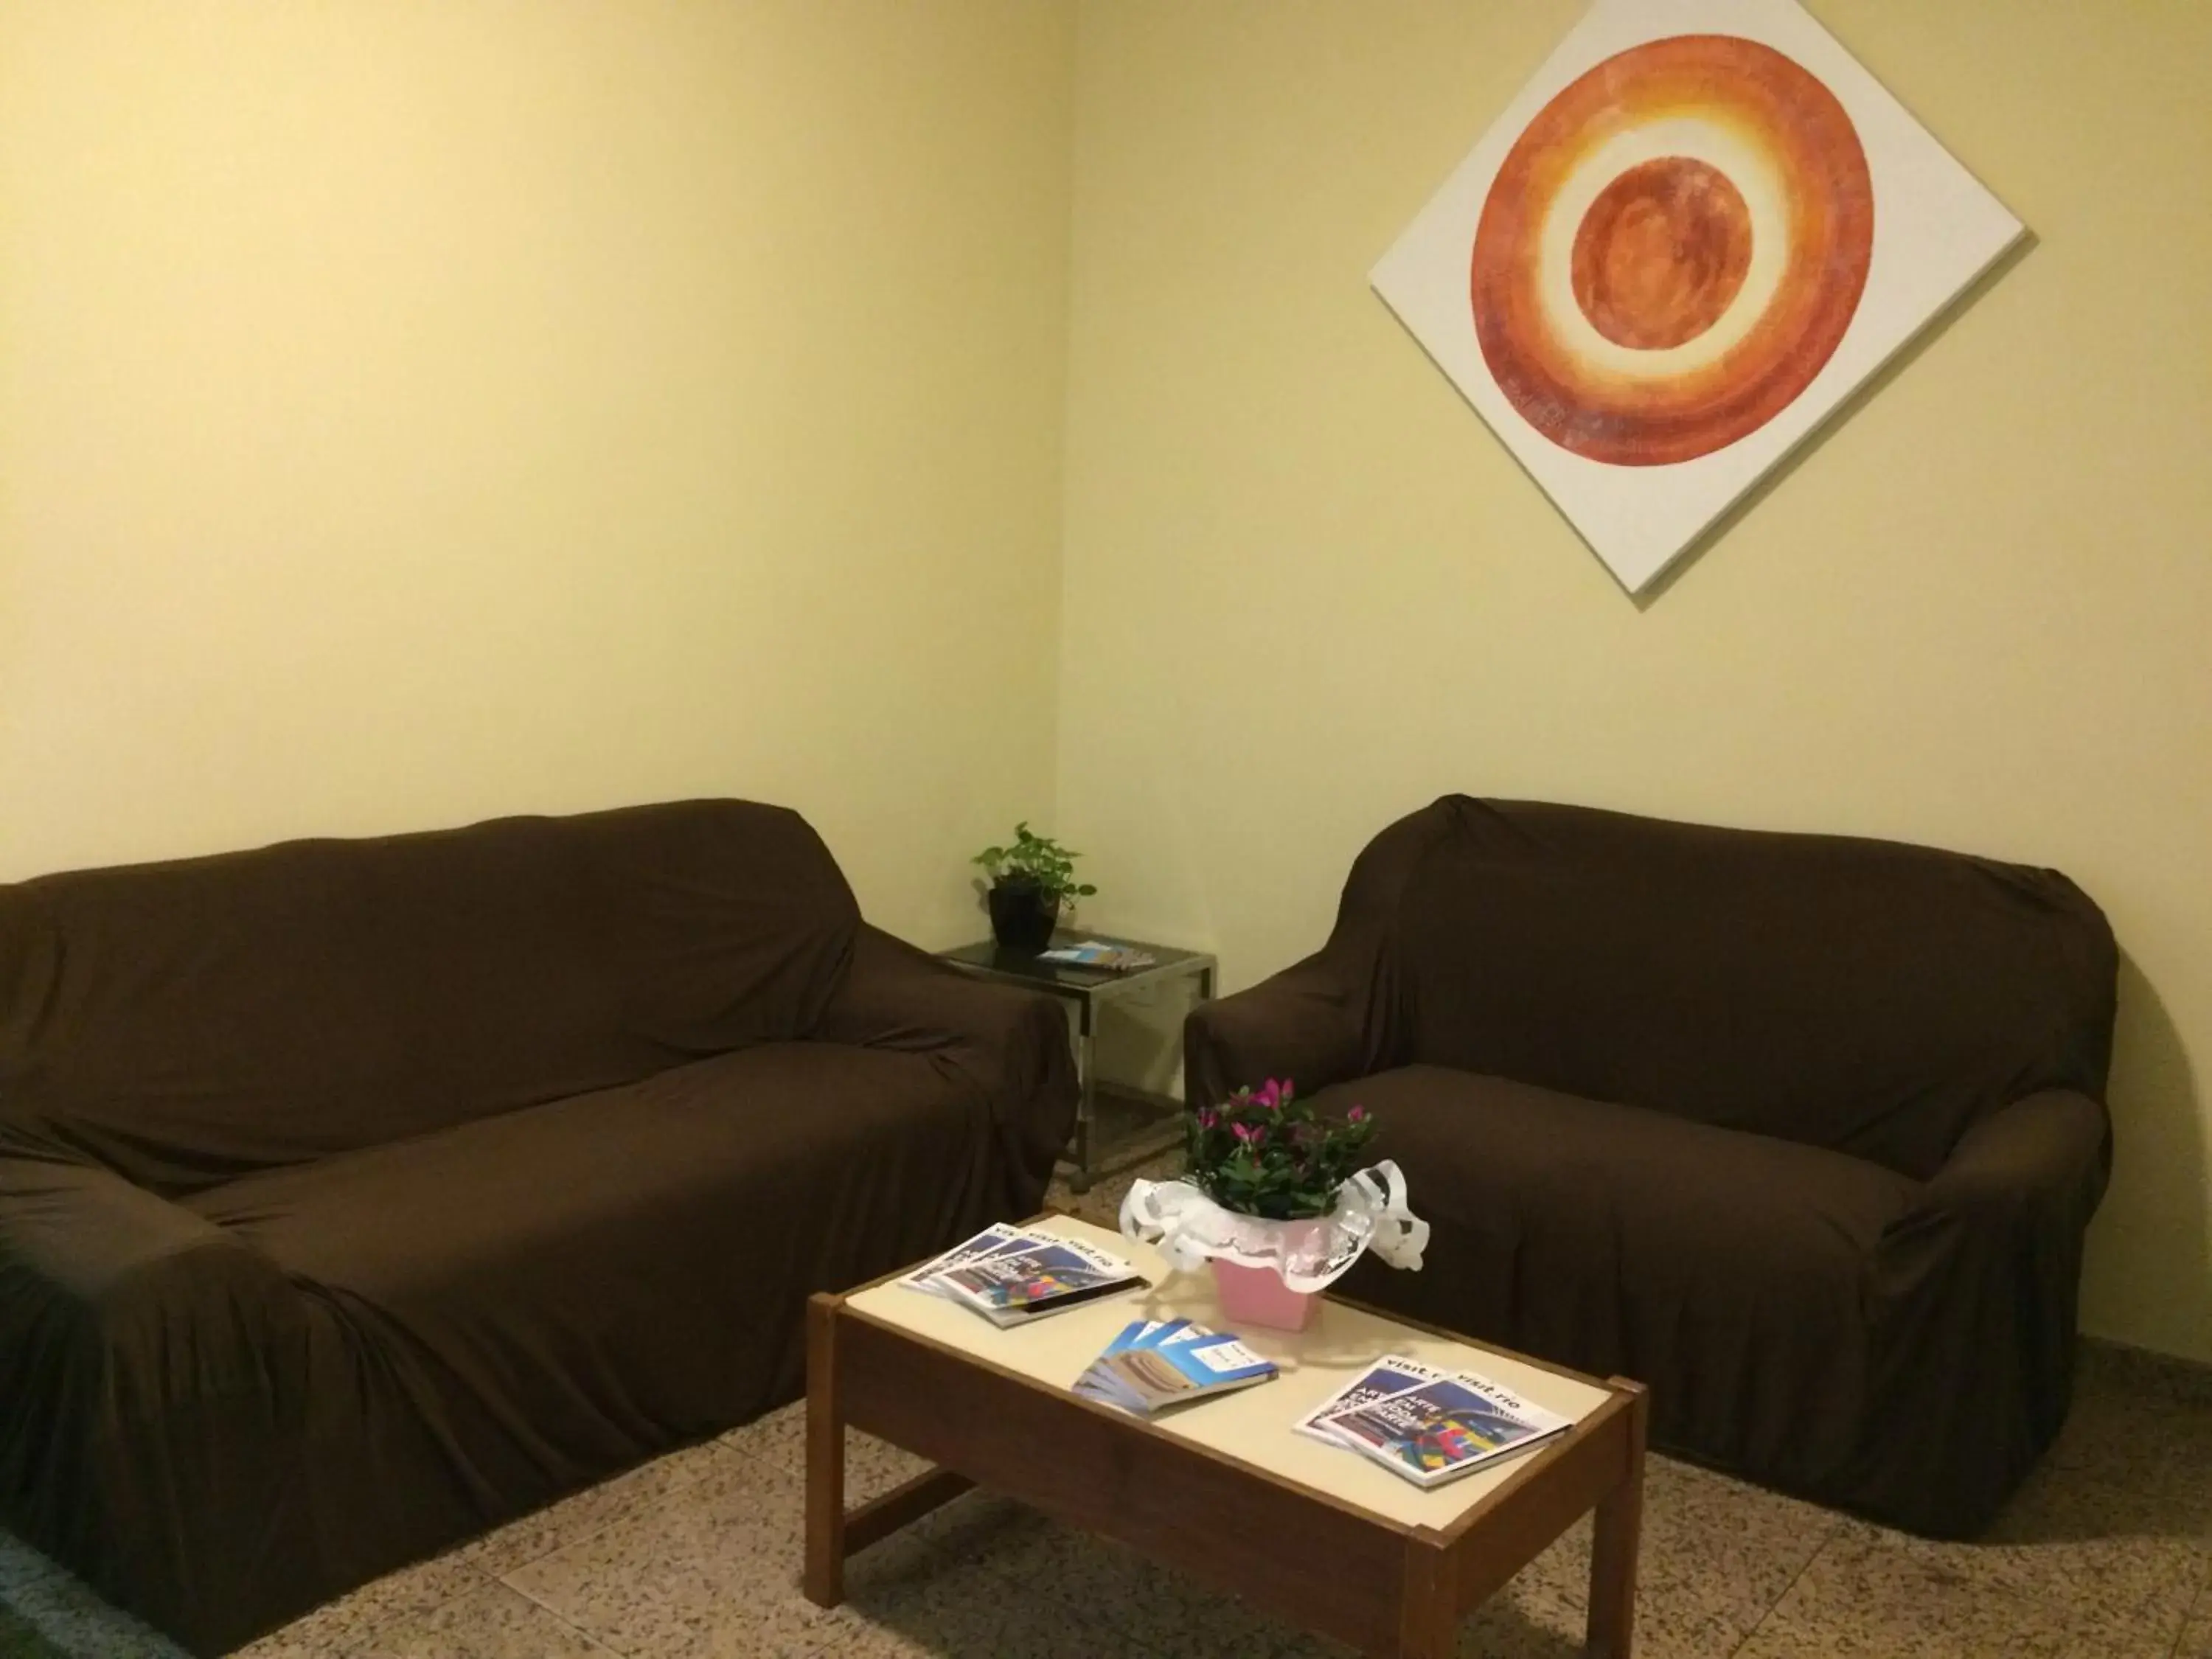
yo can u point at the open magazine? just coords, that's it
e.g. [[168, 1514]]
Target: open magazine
[[1436, 1428], [1011, 1277], [1155, 1364]]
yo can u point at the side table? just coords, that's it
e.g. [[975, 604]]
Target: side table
[[1090, 989]]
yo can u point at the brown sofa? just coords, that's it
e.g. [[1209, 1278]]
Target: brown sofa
[[357, 1195], [1803, 1130]]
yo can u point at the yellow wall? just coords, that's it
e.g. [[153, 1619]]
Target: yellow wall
[[1306, 591], [415, 411], [411, 412]]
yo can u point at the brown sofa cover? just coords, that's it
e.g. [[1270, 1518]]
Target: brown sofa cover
[[355, 1196], [1803, 1130]]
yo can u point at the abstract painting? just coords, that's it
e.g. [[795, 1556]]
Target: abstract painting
[[1695, 231]]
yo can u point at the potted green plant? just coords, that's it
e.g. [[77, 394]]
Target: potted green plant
[[1030, 879], [1270, 1200]]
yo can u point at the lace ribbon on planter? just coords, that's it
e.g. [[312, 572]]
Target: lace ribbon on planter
[[1370, 1213]]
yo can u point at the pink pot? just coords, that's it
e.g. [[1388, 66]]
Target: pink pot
[[1257, 1296]]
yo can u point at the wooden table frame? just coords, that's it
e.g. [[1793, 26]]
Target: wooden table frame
[[1389, 1588]]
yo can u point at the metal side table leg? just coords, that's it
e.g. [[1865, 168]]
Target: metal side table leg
[[1086, 1105]]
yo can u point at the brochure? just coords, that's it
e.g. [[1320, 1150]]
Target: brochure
[[1392, 1374], [1146, 1373], [1099, 953], [1096, 1383], [993, 1239], [1441, 1430], [1035, 1277]]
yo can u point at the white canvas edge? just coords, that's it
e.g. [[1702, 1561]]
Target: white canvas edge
[[1639, 520]]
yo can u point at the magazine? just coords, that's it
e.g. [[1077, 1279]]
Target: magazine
[[993, 1239], [1099, 953], [1392, 1374], [1035, 1277], [1443, 1430], [1145, 1372]]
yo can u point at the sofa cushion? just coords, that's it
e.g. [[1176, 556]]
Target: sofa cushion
[[558, 1291], [189, 1022], [1627, 1241]]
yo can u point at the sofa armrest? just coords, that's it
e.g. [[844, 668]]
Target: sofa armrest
[[82, 1245], [1305, 1024], [1010, 1045], [1973, 1295], [157, 1372], [105, 1286], [2042, 1161]]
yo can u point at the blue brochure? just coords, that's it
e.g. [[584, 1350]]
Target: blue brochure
[[1145, 1371]]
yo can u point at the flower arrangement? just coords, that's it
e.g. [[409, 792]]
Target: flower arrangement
[[1265, 1152]]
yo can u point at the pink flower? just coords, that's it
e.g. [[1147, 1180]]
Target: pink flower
[[1207, 1118], [1270, 1096], [1357, 1114], [1248, 1134]]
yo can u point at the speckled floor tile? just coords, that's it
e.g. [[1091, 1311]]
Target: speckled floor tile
[[967, 1611], [2140, 1420], [489, 1622], [343, 1626], [1538, 1616], [66, 1613], [19, 1563], [1530, 1619], [1559, 1577], [2064, 1539], [1869, 1592], [710, 1570], [872, 1467], [2196, 1634], [1100, 1582], [1715, 1555], [1969, 1628], [581, 1514]]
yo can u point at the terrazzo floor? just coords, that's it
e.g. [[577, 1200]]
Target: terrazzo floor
[[2105, 1554]]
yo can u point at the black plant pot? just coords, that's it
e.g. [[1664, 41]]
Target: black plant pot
[[1023, 915]]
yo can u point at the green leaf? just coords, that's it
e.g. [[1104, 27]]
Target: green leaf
[[1038, 860]]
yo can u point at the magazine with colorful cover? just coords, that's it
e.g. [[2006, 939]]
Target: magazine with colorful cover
[[1444, 1430], [1039, 1277], [1100, 953], [1392, 1374], [991, 1241], [1151, 1378]]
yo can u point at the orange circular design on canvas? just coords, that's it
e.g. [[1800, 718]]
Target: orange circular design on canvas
[[1673, 249], [1662, 253]]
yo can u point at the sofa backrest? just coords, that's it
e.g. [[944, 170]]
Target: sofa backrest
[[1865, 996], [187, 1022]]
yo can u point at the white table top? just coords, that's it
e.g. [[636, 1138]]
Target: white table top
[[1253, 1425]]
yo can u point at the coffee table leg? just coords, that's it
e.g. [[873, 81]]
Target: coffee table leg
[[1611, 1631], [1428, 1604], [824, 1577]]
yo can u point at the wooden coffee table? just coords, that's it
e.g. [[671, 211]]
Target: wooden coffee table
[[1224, 1489]]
